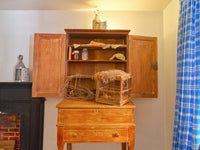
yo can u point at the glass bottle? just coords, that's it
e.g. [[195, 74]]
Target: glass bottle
[[18, 68], [84, 55], [75, 55]]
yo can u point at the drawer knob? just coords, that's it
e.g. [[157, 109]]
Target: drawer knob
[[116, 135], [74, 135]]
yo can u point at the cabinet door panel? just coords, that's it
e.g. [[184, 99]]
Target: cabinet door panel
[[48, 65], [143, 66]]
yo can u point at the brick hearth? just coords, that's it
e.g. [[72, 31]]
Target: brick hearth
[[10, 128]]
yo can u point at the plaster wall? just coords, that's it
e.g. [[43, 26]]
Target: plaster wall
[[170, 17]]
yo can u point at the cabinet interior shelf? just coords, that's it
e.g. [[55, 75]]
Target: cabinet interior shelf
[[95, 47], [97, 61]]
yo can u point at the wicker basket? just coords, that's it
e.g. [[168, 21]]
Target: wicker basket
[[7, 144]]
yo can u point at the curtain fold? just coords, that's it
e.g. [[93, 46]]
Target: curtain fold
[[187, 110]]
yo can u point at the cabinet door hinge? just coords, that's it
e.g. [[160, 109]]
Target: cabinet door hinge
[[155, 66]]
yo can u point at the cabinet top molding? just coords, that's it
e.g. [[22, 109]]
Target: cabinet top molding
[[97, 31]]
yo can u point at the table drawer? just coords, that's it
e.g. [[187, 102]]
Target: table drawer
[[95, 116], [96, 135]]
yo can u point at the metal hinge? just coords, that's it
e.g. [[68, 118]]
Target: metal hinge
[[155, 66]]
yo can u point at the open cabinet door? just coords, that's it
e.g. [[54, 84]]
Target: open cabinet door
[[143, 66], [48, 65]]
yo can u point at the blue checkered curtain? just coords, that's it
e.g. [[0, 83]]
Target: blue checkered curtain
[[187, 110]]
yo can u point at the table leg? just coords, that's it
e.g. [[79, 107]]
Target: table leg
[[130, 147], [123, 146], [69, 146], [131, 142], [60, 147], [60, 143]]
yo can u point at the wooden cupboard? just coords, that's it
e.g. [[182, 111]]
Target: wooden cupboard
[[87, 121], [101, 45], [52, 63]]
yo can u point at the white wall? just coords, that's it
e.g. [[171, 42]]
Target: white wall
[[17, 29], [170, 16]]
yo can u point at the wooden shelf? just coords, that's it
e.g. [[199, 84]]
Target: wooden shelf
[[95, 47], [97, 61]]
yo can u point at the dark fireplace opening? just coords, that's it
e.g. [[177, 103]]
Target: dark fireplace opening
[[9, 130], [16, 102]]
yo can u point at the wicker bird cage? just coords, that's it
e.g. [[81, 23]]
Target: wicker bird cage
[[113, 87]]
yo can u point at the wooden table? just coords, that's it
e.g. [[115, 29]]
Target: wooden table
[[82, 121]]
